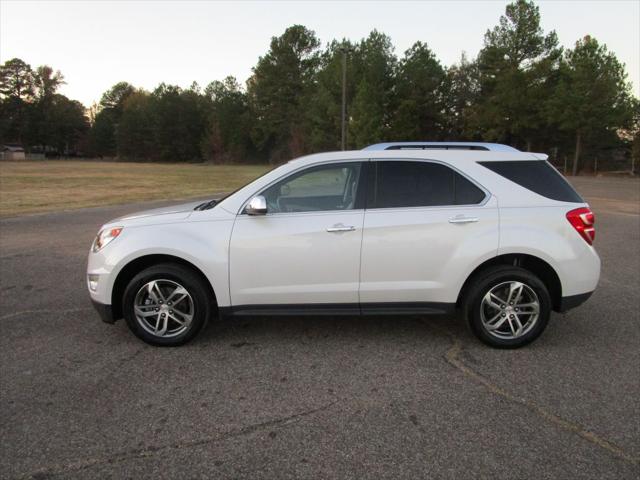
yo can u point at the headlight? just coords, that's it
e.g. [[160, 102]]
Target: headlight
[[105, 237]]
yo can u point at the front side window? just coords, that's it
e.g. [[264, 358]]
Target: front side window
[[420, 184], [327, 187]]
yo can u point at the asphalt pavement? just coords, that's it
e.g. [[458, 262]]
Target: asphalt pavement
[[337, 397]]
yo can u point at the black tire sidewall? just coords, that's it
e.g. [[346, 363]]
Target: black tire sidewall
[[490, 279], [185, 277]]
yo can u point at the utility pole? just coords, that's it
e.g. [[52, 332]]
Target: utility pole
[[344, 51]]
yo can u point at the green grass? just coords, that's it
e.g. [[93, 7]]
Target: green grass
[[44, 186]]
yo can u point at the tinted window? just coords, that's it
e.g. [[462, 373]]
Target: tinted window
[[420, 184], [466, 192], [329, 187], [538, 176]]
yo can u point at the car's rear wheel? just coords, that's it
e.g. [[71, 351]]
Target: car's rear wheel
[[507, 307], [166, 304]]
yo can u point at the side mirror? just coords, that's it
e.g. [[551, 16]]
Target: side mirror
[[257, 206]]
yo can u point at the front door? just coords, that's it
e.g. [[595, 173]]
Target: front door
[[305, 252]]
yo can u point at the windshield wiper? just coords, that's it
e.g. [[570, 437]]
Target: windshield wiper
[[207, 205]]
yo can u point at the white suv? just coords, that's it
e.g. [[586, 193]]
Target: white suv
[[407, 228]]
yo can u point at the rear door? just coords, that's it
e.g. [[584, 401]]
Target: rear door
[[424, 225]]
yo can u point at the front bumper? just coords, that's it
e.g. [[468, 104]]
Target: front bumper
[[573, 301], [105, 311]]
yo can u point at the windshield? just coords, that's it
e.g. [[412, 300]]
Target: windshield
[[212, 203]]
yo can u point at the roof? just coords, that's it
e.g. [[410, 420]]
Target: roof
[[448, 156], [10, 147], [493, 147]]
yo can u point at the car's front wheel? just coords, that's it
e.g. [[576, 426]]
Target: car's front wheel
[[508, 307], [166, 305]]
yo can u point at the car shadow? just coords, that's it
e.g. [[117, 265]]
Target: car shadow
[[245, 331]]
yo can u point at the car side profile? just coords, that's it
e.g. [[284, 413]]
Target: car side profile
[[397, 228]]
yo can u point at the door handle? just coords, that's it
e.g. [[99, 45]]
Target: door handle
[[461, 219], [341, 228]]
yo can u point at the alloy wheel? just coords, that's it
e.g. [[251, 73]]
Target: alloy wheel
[[164, 308], [509, 310]]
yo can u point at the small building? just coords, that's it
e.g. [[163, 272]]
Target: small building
[[12, 152]]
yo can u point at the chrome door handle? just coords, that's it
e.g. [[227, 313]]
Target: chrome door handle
[[341, 228], [461, 219]]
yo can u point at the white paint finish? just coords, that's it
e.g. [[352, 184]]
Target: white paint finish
[[292, 259], [201, 243], [159, 215], [417, 255], [547, 234], [411, 254]]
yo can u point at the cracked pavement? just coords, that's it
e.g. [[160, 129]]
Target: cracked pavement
[[339, 397]]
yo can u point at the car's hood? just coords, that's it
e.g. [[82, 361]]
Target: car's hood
[[170, 214], [182, 210]]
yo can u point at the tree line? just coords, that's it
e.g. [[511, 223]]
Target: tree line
[[522, 89], [33, 114]]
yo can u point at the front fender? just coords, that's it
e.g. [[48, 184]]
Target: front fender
[[204, 244]]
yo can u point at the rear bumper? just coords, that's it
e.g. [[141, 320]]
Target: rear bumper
[[573, 301], [105, 311]]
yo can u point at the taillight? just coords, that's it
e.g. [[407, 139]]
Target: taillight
[[583, 220]]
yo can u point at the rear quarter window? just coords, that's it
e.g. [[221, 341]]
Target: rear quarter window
[[539, 176]]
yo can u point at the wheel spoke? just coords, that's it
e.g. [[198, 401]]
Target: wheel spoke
[[158, 291], [154, 292], [187, 317], [164, 321], [179, 321], [493, 301], [518, 323], [147, 306], [519, 294], [144, 313], [497, 325], [528, 308], [496, 298], [151, 293], [515, 292], [494, 318], [513, 331], [182, 297], [177, 295]]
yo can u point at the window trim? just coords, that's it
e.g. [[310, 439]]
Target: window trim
[[363, 180], [372, 183]]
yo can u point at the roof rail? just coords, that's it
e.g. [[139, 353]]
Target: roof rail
[[489, 147]]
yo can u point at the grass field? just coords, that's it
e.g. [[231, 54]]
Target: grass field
[[43, 186]]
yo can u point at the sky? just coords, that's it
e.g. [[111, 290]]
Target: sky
[[96, 44]]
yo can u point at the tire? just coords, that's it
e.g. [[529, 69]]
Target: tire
[[166, 305], [504, 324]]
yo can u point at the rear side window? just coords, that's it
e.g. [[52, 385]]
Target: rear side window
[[538, 176], [420, 184], [466, 193]]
